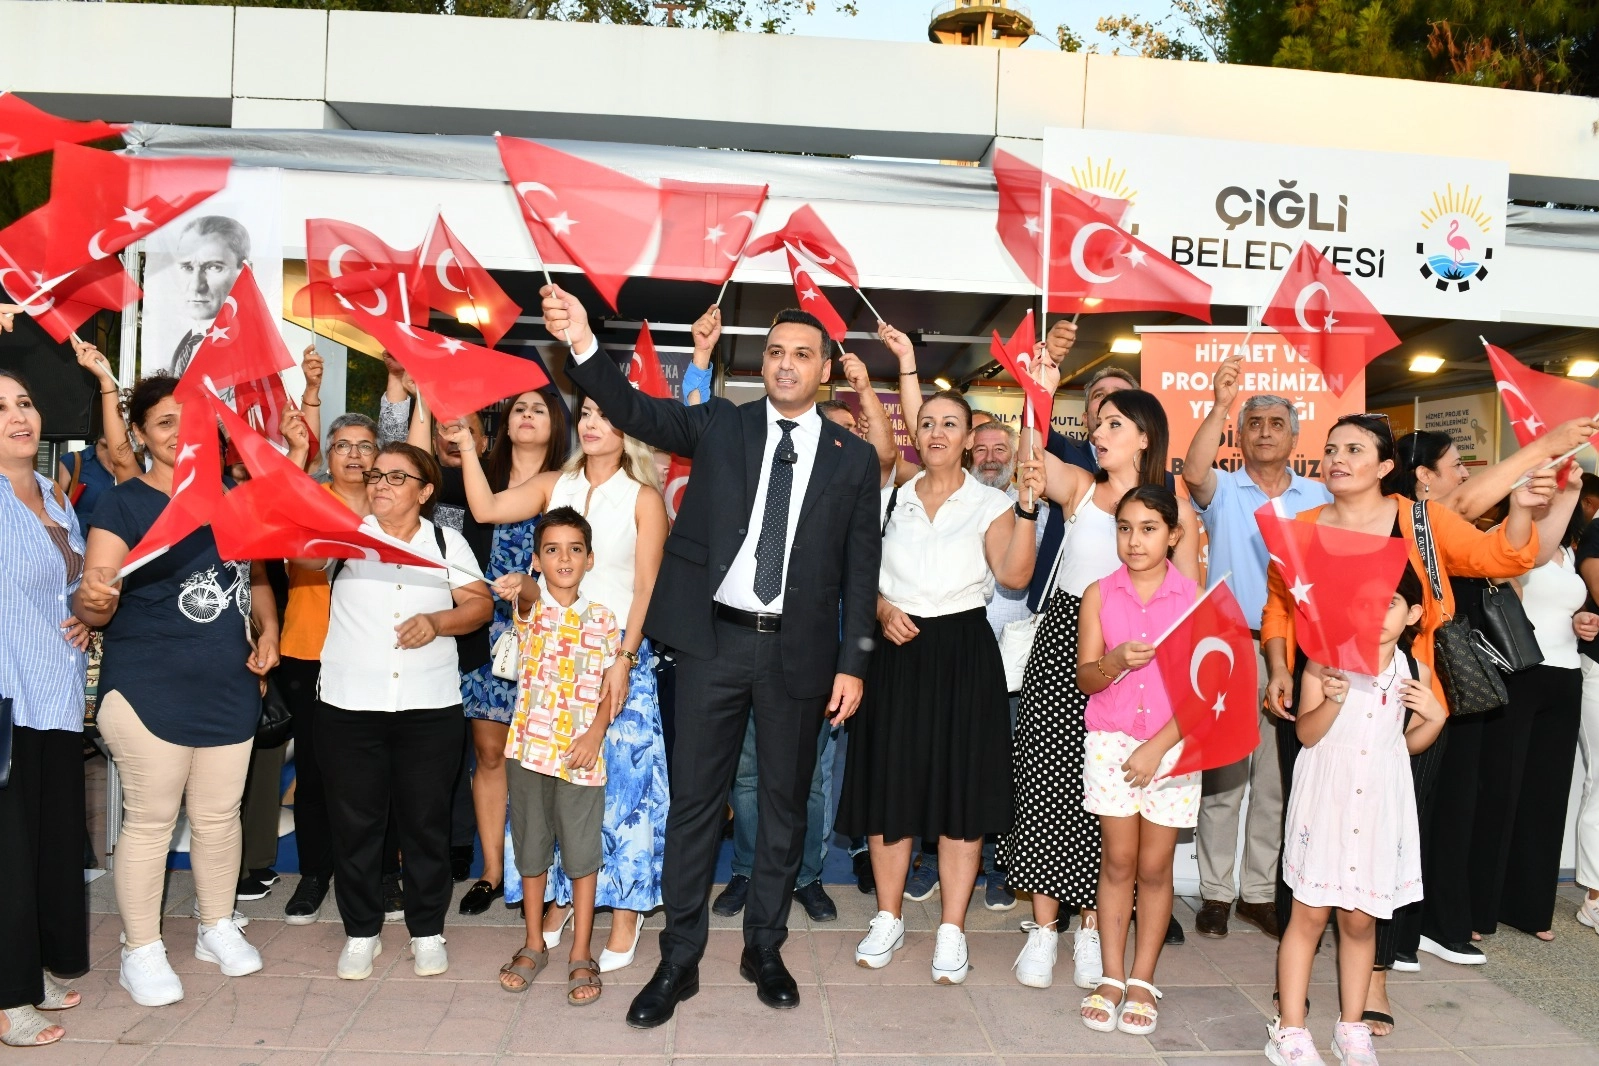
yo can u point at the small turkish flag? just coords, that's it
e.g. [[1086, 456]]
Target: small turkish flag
[[1207, 663], [102, 202], [1020, 223], [62, 304], [1535, 401], [597, 218], [806, 233], [704, 228], [196, 489], [26, 130], [644, 369], [1327, 319], [1096, 265], [1016, 356], [457, 285], [1342, 582], [811, 297], [455, 378], [351, 274]]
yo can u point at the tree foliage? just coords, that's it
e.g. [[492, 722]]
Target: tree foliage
[[1193, 29]]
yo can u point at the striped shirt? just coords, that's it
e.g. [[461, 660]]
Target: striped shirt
[[39, 670]]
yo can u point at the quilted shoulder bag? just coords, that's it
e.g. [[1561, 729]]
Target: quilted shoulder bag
[[1016, 638], [1469, 674], [507, 659]]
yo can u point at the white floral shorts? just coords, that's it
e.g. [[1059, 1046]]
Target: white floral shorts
[[1169, 801]]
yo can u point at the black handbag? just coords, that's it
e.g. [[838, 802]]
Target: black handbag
[[276, 720], [1509, 633], [1471, 679]]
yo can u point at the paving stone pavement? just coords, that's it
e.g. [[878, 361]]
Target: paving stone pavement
[[1214, 1014]]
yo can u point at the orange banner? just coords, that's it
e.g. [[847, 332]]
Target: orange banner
[[1177, 368]]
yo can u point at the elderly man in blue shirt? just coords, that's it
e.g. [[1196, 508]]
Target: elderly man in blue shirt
[[1226, 500]]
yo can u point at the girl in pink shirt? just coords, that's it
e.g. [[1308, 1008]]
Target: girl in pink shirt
[[1132, 745]]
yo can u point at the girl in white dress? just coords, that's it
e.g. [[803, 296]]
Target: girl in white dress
[[1351, 840]]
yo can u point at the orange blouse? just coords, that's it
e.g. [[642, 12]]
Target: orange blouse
[[305, 616], [1463, 551]]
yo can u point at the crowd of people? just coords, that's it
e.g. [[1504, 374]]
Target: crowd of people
[[585, 688]]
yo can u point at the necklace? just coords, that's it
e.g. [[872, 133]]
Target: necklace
[[1393, 675]]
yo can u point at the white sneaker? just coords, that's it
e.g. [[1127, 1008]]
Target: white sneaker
[[355, 961], [1088, 965], [877, 947], [223, 944], [1035, 966], [148, 976], [240, 919], [429, 954], [1588, 913], [949, 956]]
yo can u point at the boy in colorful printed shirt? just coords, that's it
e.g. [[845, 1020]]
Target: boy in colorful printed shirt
[[554, 768]]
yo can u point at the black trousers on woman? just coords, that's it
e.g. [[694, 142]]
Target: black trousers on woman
[[1402, 932], [312, 836], [1446, 834], [43, 917], [1528, 752], [409, 759]]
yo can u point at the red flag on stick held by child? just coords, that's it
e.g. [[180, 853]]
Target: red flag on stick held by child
[[1016, 356], [454, 377], [457, 285], [704, 228], [811, 297], [1341, 582], [351, 272], [27, 130], [1327, 319], [60, 305], [1096, 265], [1207, 662], [1020, 223], [1534, 401], [102, 202], [196, 488], [806, 233]]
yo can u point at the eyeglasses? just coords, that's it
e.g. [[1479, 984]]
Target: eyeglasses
[[393, 477], [359, 447]]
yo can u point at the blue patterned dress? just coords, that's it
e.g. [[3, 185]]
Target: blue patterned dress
[[483, 695]]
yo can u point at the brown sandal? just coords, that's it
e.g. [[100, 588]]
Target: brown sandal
[[539, 959], [591, 981]]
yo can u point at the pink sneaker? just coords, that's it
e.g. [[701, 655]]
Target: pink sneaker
[[1352, 1044], [1292, 1047]]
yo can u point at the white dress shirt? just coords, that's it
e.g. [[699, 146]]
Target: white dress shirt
[[363, 668]]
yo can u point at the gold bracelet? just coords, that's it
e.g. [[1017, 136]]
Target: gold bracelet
[[1099, 664]]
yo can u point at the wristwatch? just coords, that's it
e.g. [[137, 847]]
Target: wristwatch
[[630, 656], [1026, 515]]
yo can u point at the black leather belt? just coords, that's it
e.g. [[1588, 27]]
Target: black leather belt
[[761, 623]]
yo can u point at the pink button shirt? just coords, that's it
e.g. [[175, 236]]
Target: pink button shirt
[[1138, 706]]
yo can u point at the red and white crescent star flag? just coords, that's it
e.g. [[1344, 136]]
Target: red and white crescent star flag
[[102, 202], [26, 130], [1208, 666], [704, 228], [811, 297], [1327, 319], [646, 374], [1342, 582], [457, 285], [806, 233], [60, 304], [1016, 356], [454, 377], [196, 488], [1096, 265], [1534, 401], [351, 273], [1020, 222]]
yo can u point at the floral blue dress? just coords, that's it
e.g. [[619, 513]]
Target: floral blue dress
[[482, 694]]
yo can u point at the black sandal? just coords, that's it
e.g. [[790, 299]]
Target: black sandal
[[479, 896], [1378, 1016]]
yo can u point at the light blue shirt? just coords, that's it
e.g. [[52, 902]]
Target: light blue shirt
[[1235, 542], [41, 673]]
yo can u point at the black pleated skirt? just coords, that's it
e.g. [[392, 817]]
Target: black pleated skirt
[[929, 750]]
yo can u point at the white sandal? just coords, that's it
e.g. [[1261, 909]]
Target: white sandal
[[1099, 1002], [27, 1025], [56, 995], [1140, 1010]]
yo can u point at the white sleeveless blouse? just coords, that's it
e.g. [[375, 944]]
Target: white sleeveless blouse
[[610, 511]]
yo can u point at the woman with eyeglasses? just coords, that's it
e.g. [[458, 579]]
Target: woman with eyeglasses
[[352, 446], [390, 719]]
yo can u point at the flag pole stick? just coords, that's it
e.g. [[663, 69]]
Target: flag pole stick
[[1556, 463], [1043, 317], [1203, 596], [868, 304], [723, 290], [565, 334]]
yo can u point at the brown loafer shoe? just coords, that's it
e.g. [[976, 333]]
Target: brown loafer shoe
[[1262, 916], [1211, 920]]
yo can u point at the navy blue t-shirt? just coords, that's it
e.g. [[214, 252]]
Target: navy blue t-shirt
[[176, 648]]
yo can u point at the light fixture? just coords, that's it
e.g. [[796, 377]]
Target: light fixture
[[1126, 346], [1582, 368], [1425, 364], [942, 383], [467, 315]]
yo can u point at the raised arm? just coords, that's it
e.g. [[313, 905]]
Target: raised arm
[[1508, 550], [1011, 543], [516, 504], [879, 433], [1198, 471], [1553, 519], [115, 428], [297, 431], [707, 330], [1473, 497], [1064, 484], [910, 391], [419, 431]]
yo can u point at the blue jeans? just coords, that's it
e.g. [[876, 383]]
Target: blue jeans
[[818, 809]]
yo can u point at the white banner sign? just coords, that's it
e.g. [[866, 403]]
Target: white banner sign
[[1418, 234]]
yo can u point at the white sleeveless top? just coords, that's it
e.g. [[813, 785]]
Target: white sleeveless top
[[610, 512], [1551, 594], [1090, 548]]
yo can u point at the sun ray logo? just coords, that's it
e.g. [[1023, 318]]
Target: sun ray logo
[[1105, 178], [1457, 248]]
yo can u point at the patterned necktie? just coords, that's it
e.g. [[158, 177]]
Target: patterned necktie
[[769, 550]]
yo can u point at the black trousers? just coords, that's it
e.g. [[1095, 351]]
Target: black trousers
[[1446, 831], [44, 921], [714, 699], [409, 759], [1528, 752], [312, 835], [1402, 932]]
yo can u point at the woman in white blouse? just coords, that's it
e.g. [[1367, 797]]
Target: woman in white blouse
[[390, 725], [932, 739]]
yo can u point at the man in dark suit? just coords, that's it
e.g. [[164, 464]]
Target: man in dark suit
[[767, 592]]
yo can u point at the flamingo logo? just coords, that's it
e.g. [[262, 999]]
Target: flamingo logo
[[1458, 241]]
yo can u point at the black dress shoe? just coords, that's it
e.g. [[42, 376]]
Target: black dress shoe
[[731, 901], [864, 880], [479, 896], [1211, 920], [1174, 932], [818, 904], [460, 862], [658, 999], [774, 985]]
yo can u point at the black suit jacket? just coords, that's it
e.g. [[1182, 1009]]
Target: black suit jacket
[[837, 543]]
